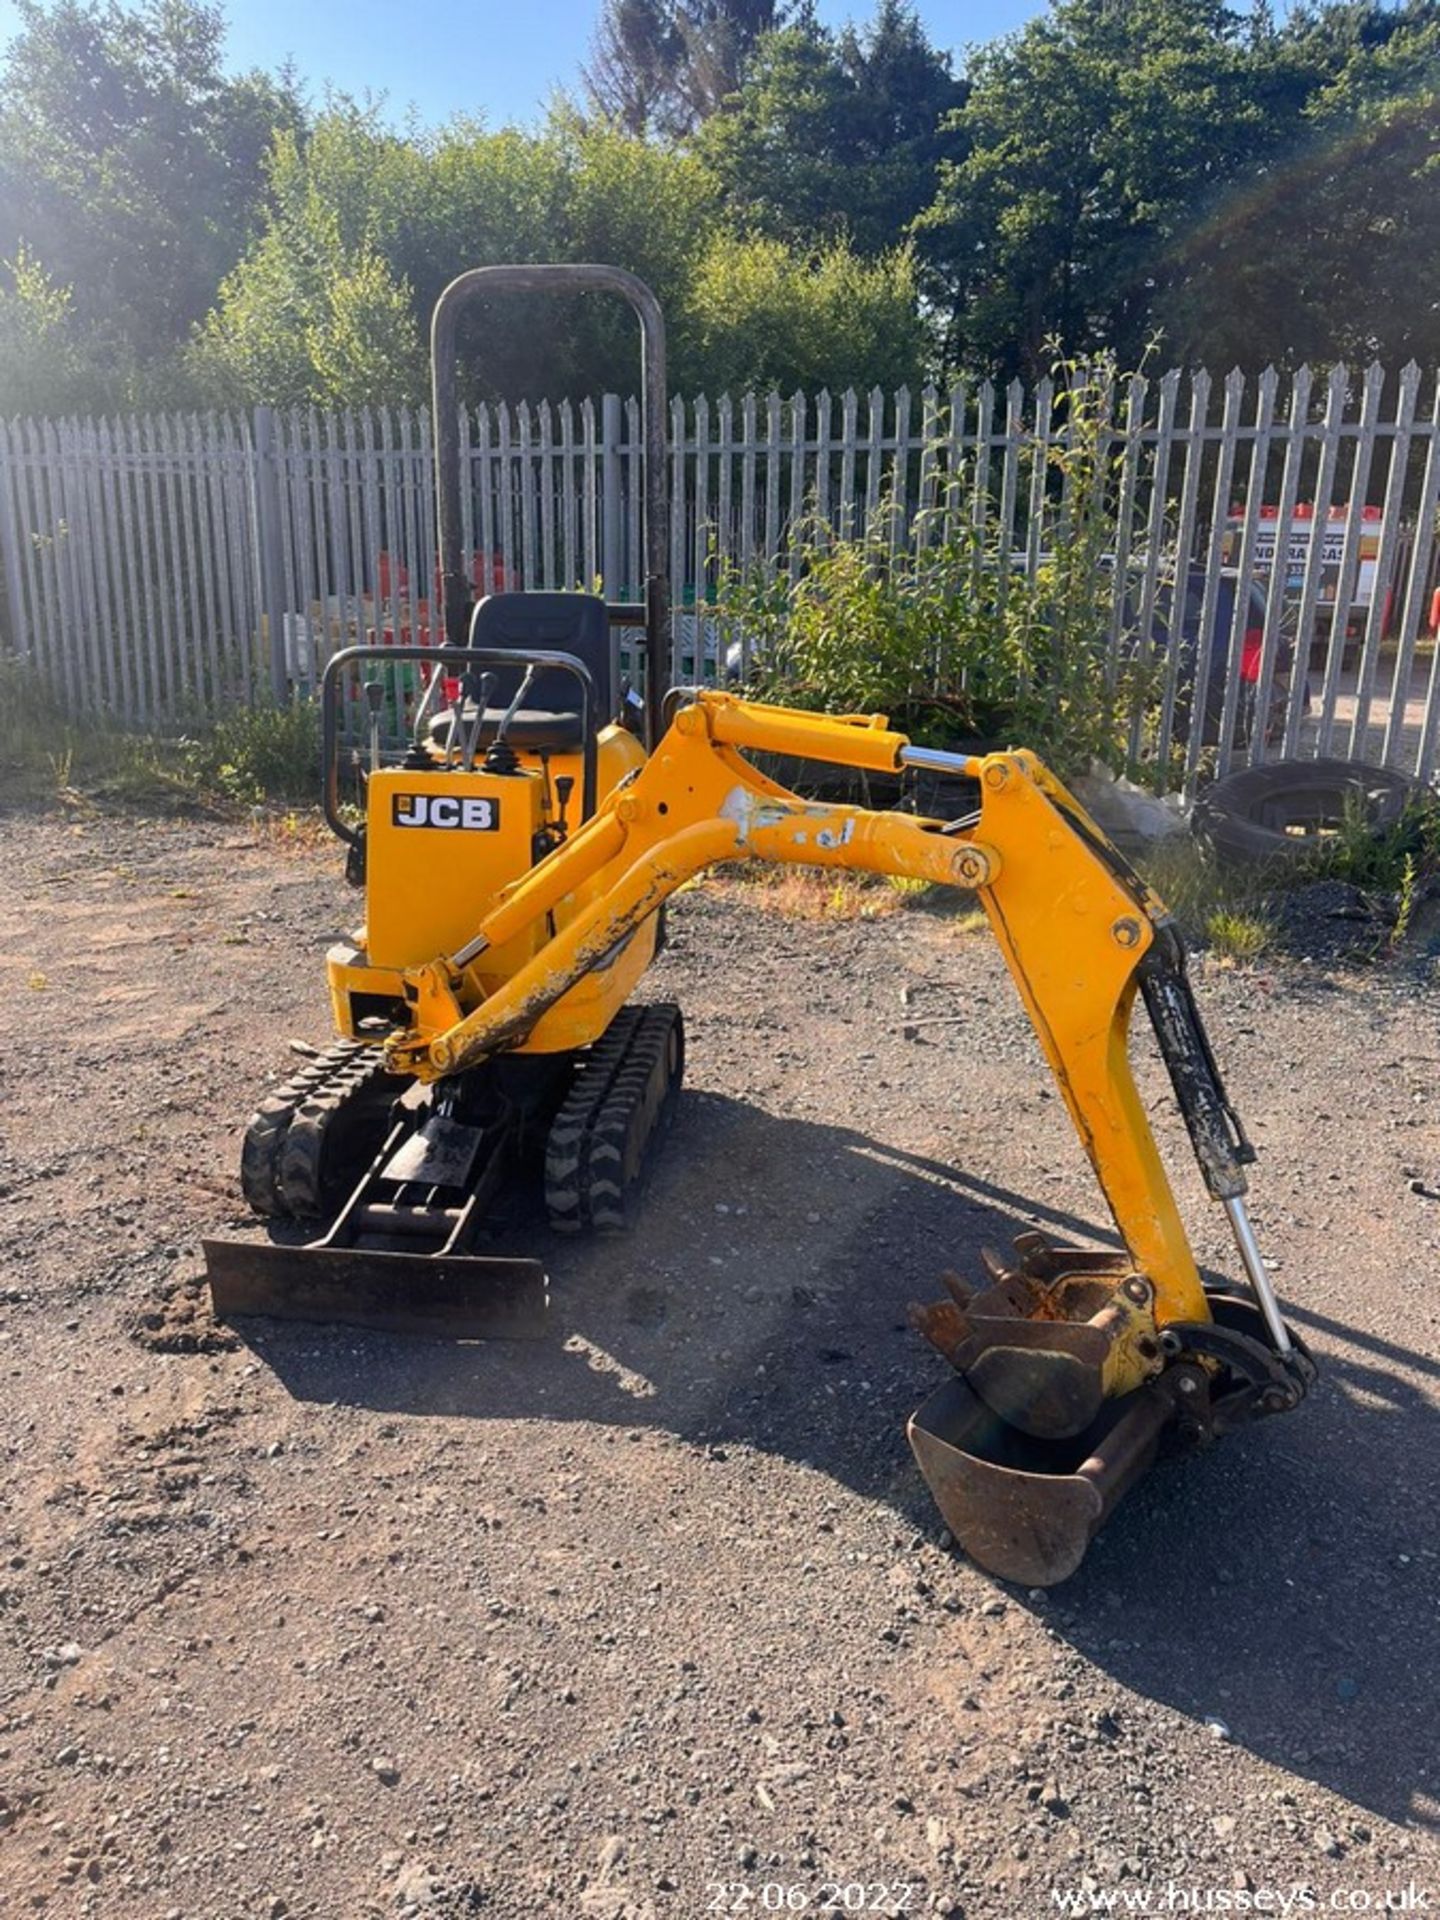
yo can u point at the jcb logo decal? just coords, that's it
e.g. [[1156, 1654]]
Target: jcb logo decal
[[444, 810]]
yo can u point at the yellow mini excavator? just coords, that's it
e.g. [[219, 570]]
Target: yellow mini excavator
[[516, 857]]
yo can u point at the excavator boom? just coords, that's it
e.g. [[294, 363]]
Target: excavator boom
[[1079, 931]]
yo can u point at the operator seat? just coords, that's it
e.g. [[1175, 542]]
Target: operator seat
[[551, 719]]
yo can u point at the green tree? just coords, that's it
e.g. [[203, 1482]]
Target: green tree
[[428, 208], [365, 347], [763, 315], [352, 212], [664, 66], [635, 59], [1330, 250], [1257, 192], [130, 162], [46, 364], [1086, 139], [837, 133], [331, 301]]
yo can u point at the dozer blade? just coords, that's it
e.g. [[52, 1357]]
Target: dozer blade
[[1024, 1508], [456, 1296]]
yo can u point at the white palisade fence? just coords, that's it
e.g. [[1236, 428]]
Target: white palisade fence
[[158, 568]]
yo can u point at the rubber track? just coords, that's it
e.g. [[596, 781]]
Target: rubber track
[[595, 1152], [281, 1181], [303, 1173]]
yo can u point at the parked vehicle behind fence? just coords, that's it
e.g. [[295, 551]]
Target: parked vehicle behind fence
[[1223, 662]]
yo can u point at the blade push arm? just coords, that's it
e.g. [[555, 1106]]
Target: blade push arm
[[1074, 925]]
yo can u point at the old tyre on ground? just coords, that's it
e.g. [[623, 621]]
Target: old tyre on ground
[[1286, 809]]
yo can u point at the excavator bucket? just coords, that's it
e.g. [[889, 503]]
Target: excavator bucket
[[1056, 1407], [1063, 1392], [1024, 1508], [456, 1296]]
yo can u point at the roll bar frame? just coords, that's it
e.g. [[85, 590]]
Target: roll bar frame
[[478, 284]]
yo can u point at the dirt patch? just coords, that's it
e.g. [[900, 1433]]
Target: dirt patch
[[179, 1320], [657, 1611]]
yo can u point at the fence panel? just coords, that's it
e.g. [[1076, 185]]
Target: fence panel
[[1279, 560]]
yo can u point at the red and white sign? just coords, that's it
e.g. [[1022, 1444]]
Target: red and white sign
[[1298, 544]]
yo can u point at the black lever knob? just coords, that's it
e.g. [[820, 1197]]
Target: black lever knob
[[564, 787]]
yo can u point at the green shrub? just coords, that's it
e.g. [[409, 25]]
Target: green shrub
[[266, 752], [1238, 936], [250, 754], [1382, 859], [1231, 906], [933, 622], [31, 714], [765, 313]]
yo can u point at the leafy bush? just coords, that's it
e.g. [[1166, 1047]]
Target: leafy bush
[[47, 361], [760, 313], [936, 625], [1238, 936], [1386, 859], [330, 300], [258, 753]]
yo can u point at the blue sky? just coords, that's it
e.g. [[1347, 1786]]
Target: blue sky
[[502, 60]]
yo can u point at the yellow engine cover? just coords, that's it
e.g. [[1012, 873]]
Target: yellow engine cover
[[442, 843], [439, 846]]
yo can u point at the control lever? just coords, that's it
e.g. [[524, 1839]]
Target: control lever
[[374, 700], [564, 787], [478, 691], [501, 757]]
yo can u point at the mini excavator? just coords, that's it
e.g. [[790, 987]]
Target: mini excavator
[[516, 856]]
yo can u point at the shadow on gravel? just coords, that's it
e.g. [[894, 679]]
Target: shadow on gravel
[[1284, 1584]]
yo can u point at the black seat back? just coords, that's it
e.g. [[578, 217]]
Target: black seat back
[[554, 622]]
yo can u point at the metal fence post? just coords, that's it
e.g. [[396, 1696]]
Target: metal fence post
[[612, 495], [10, 547], [269, 557]]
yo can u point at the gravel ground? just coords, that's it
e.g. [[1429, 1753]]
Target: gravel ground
[[655, 1618]]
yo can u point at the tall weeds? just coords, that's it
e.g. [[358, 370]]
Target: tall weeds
[[937, 623], [247, 755]]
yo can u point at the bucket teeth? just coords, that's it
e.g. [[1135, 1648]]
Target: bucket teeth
[[960, 1291], [1086, 1316], [945, 1326]]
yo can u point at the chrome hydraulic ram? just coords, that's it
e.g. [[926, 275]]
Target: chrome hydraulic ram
[[1221, 1145]]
